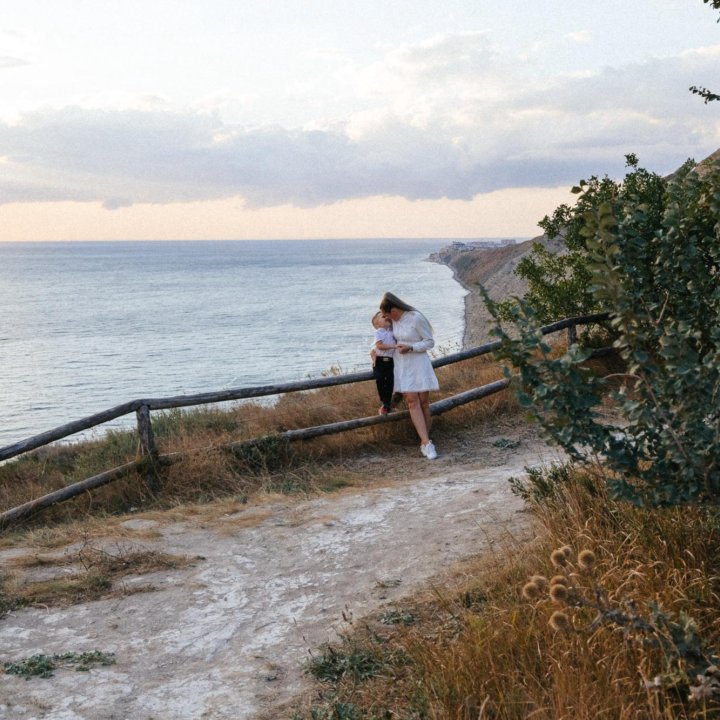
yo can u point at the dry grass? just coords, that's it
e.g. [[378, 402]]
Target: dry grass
[[487, 650], [209, 470], [90, 572], [491, 646]]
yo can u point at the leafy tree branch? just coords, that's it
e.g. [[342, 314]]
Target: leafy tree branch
[[652, 253]]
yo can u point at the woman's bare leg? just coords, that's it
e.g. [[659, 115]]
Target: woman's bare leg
[[424, 398], [417, 415]]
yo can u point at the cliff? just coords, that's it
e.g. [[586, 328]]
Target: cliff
[[491, 265]]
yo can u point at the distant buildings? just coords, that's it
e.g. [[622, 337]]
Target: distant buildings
[[460, 246]]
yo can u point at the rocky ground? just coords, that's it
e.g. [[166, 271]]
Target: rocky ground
[[227, 636], [494, 269]]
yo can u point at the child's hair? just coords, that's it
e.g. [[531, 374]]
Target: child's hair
[[375, 317]]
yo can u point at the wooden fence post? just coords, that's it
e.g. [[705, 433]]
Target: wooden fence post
[[572, 334], [148, 449]]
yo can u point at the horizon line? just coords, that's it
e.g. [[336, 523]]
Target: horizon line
[[473, 238]]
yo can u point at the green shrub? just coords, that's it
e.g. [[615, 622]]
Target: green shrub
[[560, 284], [658, 274]]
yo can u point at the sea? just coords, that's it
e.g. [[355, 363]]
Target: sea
[[85, 326]]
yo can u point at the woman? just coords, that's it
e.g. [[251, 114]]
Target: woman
[[414, 374]]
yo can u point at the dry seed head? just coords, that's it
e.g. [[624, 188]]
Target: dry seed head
[[540, 581], [558, 558], [530, 591], [586, 559], [559, 580], [559, 593], [559, 621], [706, 688], [566, 550]]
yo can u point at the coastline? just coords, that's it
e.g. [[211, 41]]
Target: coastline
[[473, 307], [487, 264]]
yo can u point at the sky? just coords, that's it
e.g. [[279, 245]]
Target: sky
[[260, 119]]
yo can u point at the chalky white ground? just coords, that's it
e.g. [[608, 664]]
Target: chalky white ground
[[227, 636]]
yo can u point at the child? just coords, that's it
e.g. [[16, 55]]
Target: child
[[382, 360]]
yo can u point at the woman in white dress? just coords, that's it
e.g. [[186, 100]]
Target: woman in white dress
[[414, 374]]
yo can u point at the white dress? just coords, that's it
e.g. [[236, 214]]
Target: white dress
[[413, 370]]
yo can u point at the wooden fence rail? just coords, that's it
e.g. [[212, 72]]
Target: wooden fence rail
[[151, 460]]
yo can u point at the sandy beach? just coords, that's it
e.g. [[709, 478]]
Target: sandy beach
[[492, 267]]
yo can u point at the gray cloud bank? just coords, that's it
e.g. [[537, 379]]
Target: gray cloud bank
[[478, 131]]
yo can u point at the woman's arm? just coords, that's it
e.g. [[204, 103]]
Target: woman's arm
[[423, 329]]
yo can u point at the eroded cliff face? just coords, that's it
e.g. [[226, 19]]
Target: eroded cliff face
[[492, 266]]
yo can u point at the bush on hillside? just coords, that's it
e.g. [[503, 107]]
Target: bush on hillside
[[560, 284], [654, 263]]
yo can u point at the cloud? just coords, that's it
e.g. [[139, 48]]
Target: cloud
[[449, 118], [7, 61], [581, 37]]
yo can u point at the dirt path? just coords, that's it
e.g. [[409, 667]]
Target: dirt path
[[227, 636]]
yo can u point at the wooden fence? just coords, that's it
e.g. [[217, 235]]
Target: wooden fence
[[151, 460]]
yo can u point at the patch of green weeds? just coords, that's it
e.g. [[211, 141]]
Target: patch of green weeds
[[542, 483], [35, 666], [337, 711], [264, 454], [289, 484], [343, 711], [334, 664], [366, 660], [506, 443], [391, 583], [43, 666], [334, 711], [473, 598], [397, 617]]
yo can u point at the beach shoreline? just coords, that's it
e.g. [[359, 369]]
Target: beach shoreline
[[472, 306], [486, 264]]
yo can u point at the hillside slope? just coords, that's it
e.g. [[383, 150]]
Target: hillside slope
[[494, 269]]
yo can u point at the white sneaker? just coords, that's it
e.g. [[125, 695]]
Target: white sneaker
[[429, 451]]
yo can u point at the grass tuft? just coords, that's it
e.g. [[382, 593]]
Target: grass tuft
[[44, 666], [89, 574]]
